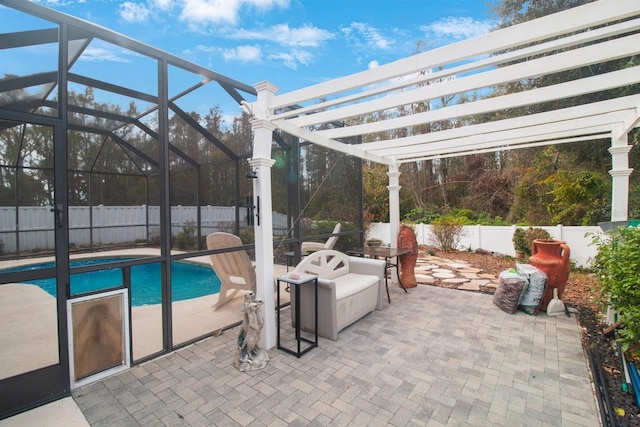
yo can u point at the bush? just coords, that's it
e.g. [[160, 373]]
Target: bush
[[522, 239], [467, 216], [186, 239], [617, 267], [447, 232]]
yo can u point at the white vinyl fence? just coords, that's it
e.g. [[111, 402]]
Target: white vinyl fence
[[113, 224], [498, 239], [127, 224]]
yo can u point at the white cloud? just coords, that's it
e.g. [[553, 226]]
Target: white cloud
[[373, 64], [163, 5], [55, 3], [293, 59], [222, 11], [457, 28], [133, 12], [305, 36], [296, 41], [99, 54], [243, 54], [210, 11], [364, 36]]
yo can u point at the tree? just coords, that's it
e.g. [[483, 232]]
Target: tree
[[577, 197], [376, 195]]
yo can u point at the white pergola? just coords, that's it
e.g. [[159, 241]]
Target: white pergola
[[595, 33]]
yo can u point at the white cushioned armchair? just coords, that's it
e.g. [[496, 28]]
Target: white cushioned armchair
[[348, 289]]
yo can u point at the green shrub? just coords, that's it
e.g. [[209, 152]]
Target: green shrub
[[446, 233], [519, 243], [186, 239], [467, 216], [522, 239], [617, 267]]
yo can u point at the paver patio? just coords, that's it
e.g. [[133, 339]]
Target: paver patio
[[434, 357]]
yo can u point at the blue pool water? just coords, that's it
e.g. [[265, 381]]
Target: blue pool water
[[188, 280]]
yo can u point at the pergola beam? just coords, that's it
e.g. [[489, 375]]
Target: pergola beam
[[573, 88], [551, 26], [425, 142], [314, 137], [576, 58], [511, 145], [435, 75]]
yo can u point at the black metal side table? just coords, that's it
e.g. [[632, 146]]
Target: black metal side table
[[299, 280]]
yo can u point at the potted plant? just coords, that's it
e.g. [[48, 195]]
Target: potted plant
[[374, 243]]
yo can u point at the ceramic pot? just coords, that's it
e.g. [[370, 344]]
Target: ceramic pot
[[552, 257], [407, 240]]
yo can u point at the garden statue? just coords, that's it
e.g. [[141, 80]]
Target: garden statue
[[407, 240], [250, 357]]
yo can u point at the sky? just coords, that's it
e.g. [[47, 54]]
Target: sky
[[290, 43]]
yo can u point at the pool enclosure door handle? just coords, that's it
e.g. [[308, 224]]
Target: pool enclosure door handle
[[59, 211]]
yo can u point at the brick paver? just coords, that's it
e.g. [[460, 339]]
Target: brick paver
[[433, 357]]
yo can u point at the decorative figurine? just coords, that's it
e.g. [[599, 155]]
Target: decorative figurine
[[250, 357]]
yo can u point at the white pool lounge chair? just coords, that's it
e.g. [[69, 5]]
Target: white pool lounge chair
[[308, 247], [234, 269]]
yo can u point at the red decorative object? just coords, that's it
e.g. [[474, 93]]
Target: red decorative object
[[407, 240], [552, 257]]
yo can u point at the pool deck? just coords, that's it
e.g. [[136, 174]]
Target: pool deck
[[20, 329]]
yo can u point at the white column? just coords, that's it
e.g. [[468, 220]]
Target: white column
[[394, 207], [261, 163], [619, 172]]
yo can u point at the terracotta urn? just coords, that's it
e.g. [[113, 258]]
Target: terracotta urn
[[407, 240], [552, 257]]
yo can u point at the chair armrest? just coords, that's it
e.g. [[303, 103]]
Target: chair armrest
[[312, 247], [370, 266], [361, 265]]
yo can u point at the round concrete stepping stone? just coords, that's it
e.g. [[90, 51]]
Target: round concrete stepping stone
[[444, 275], [480, 282], [487, 276], [427, 280], [469, 287], [442, 270], [469, 270], [469, 275], [455, 280], [456, 266]]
